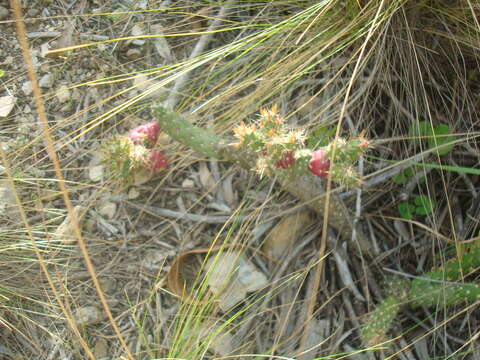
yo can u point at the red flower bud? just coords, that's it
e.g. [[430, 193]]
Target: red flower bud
[[287, 160], [156, 161], [145, 133], [319, 163]]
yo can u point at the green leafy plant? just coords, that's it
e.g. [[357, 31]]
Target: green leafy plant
[[2, 73], [422, 205], [436, 136], [402, 177]]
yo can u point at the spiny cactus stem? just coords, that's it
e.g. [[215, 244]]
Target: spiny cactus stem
[[380, 320], [305, 188], [181, 130]]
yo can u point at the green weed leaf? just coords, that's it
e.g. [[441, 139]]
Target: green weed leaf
[[409, 172], [406, 210], [420, 129], [434, 141], [400, 178], [424, 205], [434, 136], [2, 73]]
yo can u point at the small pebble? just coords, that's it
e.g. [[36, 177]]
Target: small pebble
[[4, 13], [100, 350], [134, 54], [108, 209], [46, 81], [63, 95], [88, 315], [8, 202], [188, 183], [133, 193]]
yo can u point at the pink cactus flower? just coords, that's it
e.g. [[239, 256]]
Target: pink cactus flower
[[287, 160], [319, 163], [157, 161], [145, 134]]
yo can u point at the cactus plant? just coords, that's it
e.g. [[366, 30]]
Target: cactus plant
[[305, 188], [381, 318], [429, 293], [431, 289], [379, 321]]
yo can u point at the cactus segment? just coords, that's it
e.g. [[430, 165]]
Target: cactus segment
[[430, 293], [457, 268], [426, 293], [382, 317], [203, 141], [380, 320], [420, 292]]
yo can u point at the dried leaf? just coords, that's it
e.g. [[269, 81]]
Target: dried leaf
[[221, 343], [316, 332], [66, 230], [286, 233], [231, 276], [229, 195], [206, 177], [247, 275]]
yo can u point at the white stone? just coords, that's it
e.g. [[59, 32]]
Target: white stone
[[154, 260], [188, 183], [95, 173], [8, 202], [27, 88], [88, 315], [143, 84], [66, 230], [141, 177], [4, 13], [108, 209], [133, 193], [134, 54], [63, 95], [137, 30], [46, 81], [6, 105], [161, 43]]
